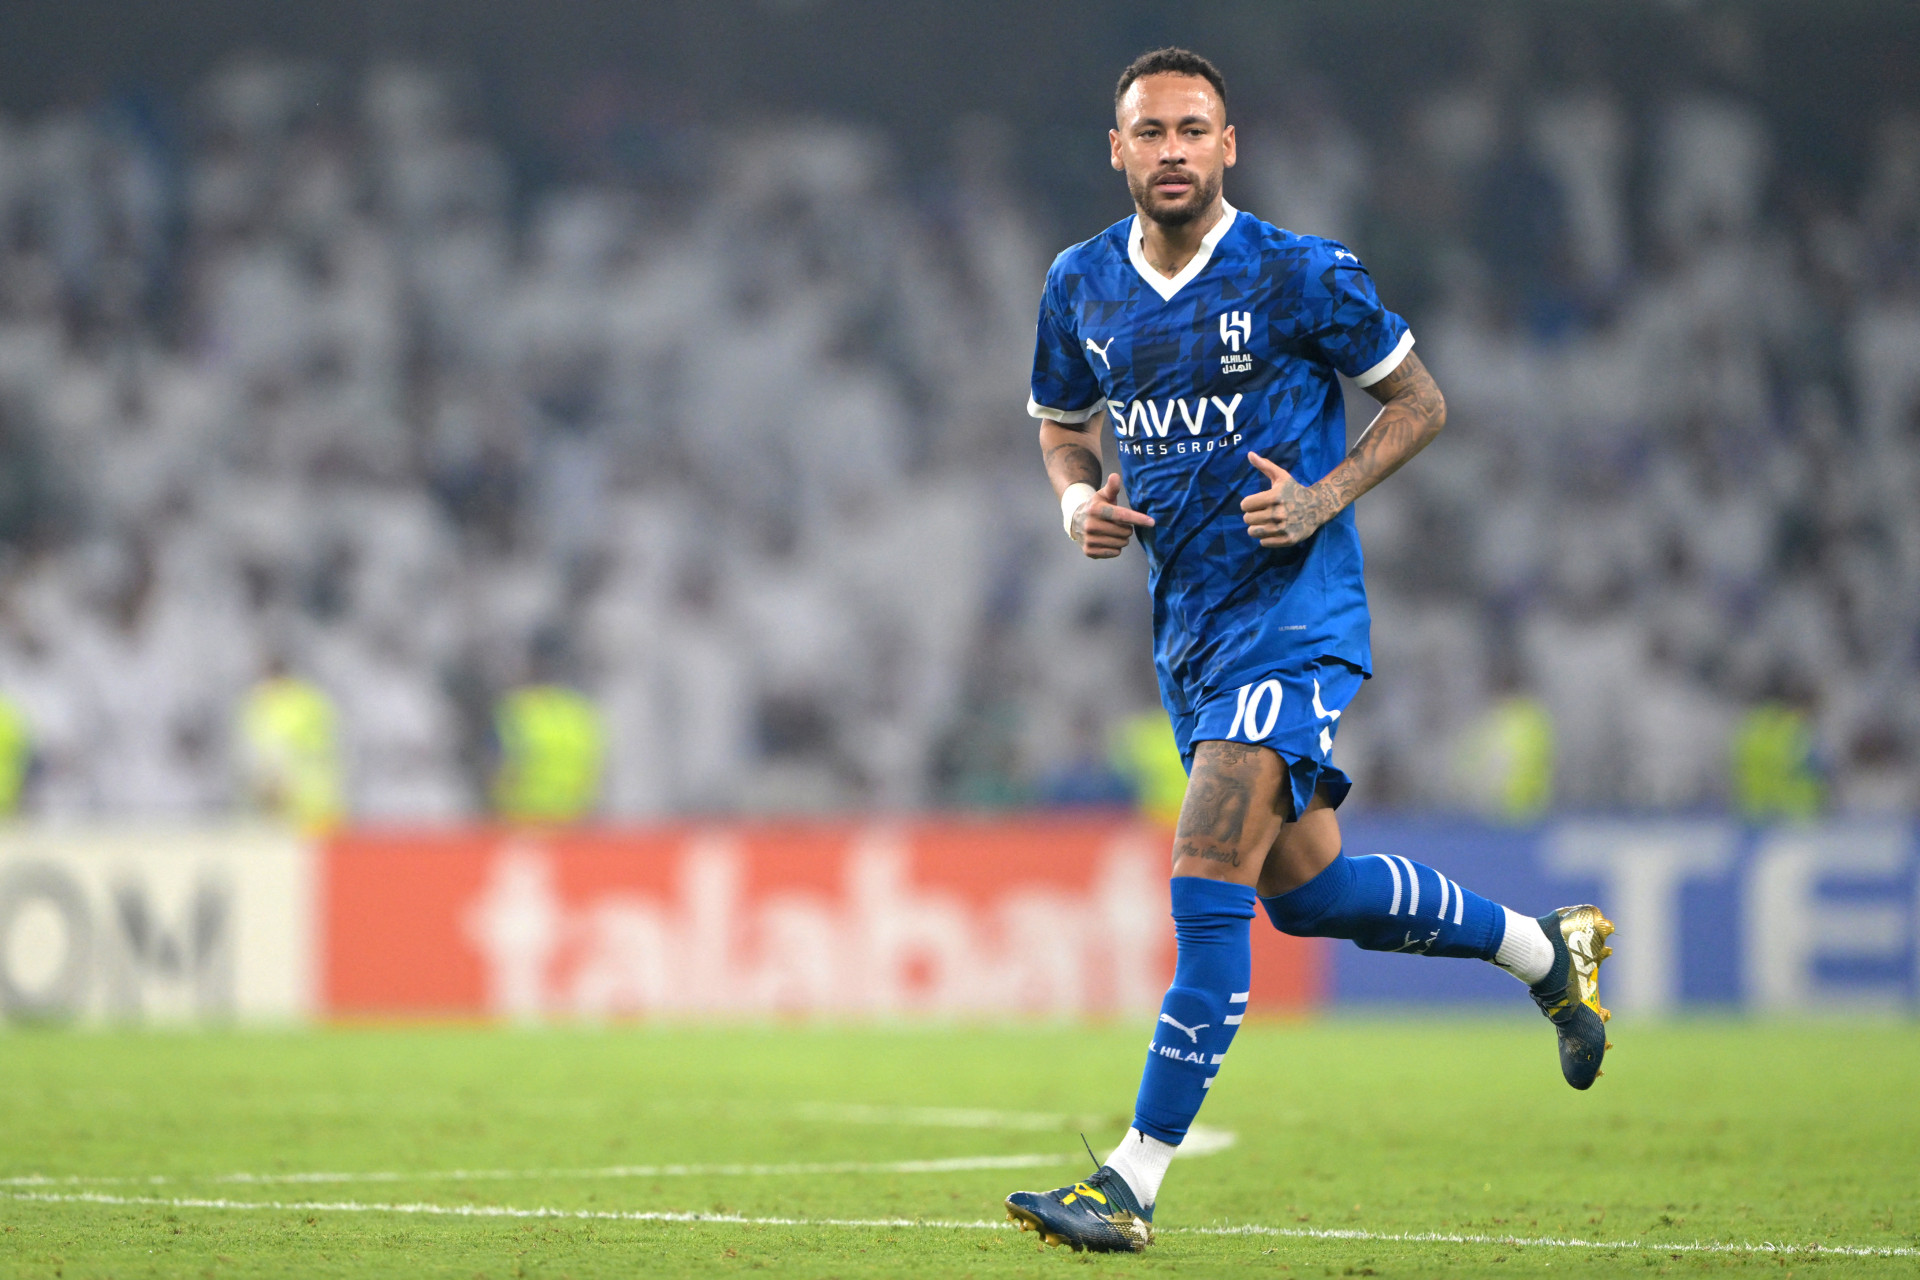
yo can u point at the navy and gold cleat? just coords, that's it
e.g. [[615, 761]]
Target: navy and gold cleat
[[1570, 993], [1099, 1215]]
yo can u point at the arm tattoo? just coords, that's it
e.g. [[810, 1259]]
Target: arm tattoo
[[1308, 506], [1075, 462], [1413, 414]]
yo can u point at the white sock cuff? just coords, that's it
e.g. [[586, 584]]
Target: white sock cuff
[[1142, 1160], [1524, 951]]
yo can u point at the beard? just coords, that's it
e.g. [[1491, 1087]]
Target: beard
[[1174, 213]]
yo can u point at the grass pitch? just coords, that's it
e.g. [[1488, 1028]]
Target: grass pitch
[[1359, 1147]]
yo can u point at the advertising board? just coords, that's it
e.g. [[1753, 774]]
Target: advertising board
[[1027, 916], [1812, 917], [153, 924], [1011, 917]]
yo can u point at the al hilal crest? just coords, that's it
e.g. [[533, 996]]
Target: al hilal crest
[[1236, 330], [1236, 327]]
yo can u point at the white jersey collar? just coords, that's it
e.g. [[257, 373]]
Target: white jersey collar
[[1167, 286]]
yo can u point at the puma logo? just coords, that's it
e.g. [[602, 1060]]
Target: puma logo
[[1101, 352], [1193, 1033]]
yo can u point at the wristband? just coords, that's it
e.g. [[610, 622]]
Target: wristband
[[1078, 495]]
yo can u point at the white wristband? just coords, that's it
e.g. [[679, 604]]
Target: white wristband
[[1078, 495]]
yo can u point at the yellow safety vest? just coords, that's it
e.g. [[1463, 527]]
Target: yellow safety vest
[[1773, 770], [16, 755], [287, 726], [1146, 754], [1508, 757], [552, 746]]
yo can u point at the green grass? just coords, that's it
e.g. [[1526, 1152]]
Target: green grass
[[1801, 1134]]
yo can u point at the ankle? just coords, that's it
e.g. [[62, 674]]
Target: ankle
[[1141, 1161], [1525, 950]]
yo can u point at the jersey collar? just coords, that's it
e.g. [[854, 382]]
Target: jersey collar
[[1167, 286]]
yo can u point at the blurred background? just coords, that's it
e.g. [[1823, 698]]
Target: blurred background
[[415, 410]]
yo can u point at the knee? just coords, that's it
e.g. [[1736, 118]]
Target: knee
[[1316, 908], [1301, 922]]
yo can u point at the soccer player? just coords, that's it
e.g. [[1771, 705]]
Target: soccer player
[[1209, 340]]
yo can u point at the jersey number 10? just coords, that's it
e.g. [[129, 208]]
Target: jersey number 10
[[1248, 712]]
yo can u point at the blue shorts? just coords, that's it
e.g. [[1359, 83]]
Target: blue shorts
[[1294, 712]]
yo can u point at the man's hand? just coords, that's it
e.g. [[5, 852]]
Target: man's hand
[[1102, 526], [1412, 413], [1287, 514]]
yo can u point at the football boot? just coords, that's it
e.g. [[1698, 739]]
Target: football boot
[[1099, 1215], [1570, 993]]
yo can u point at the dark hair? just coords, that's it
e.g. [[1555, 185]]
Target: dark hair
[[1171, 61]]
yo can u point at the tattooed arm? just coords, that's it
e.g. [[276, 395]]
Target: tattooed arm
[[1071, 451], [1414, 412]]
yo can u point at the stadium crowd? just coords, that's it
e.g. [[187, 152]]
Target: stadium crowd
[[325, 391]]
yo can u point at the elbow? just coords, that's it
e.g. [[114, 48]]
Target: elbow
[[1436, 414]]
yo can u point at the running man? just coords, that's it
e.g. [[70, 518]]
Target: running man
[[1210, 341]]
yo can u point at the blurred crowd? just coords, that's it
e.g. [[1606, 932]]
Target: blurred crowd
[[318, 396], [1675, 517], [318, 426]]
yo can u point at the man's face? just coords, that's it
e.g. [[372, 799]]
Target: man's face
[[1174, 144]]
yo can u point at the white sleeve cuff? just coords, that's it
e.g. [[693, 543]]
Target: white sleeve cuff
[[1037, 410], [1387, 366]]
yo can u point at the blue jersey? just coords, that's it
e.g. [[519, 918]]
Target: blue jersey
[[1236, 353]]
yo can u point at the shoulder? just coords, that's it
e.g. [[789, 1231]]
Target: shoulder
[[1281, 248], [1092, 257]]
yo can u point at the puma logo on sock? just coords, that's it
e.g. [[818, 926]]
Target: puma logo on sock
[[1193, 1033]]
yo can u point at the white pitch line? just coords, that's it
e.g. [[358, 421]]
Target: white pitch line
[[956, 1164], [1552, 1242], [935, 1117], [1201, 1141], [485, 1211], [734, 1219]]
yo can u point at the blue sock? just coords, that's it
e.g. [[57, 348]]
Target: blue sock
[[1203, 1007], [1391, 904]]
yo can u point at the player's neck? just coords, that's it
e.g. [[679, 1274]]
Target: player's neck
[[1169, 249]]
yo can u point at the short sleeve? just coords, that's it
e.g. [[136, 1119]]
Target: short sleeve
[[1353, 332], [1064, 387]]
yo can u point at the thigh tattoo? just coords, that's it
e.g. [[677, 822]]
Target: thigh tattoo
[[1214, 817]]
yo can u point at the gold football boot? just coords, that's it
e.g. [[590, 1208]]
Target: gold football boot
[[1570, 993]]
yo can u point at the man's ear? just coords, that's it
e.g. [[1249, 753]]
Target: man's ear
[[1113, 150], [1232, 146]]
